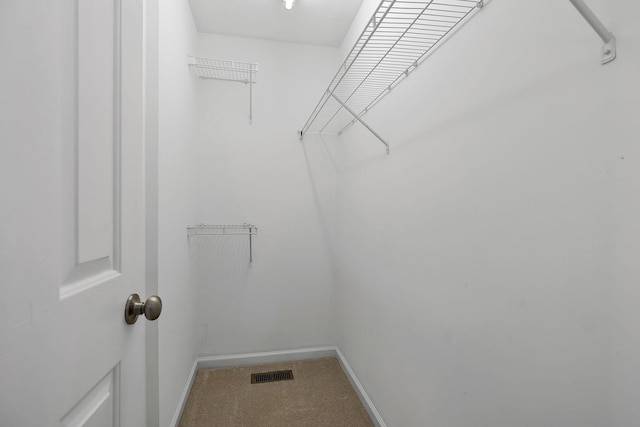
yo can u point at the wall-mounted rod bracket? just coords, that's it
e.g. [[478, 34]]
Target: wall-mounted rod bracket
[[357, 117], [609, 48]]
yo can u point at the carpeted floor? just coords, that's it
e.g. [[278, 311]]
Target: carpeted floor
[[319, 395]]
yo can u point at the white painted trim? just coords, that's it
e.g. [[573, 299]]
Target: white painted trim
[[274, 357], [185, 393], [266, 357], [357, 386]]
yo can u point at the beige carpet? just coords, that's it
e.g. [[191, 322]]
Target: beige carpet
[[319, 395]]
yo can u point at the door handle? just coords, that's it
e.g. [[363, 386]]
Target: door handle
[[151, 308]]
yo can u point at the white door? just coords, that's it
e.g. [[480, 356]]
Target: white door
[[71, 212]]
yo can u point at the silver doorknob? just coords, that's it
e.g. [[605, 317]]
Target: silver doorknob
[[151, 308]]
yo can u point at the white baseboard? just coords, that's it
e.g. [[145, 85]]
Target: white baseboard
[[266, 357], [279, 356], [184, 395], [364, 397]]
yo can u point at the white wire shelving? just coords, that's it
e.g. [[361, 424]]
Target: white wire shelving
[[400, 35], [397, 38], [228, 230], [222, 69]]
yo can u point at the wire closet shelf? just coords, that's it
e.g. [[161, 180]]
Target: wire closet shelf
[[397, 38], [210, 230], [223, 69], [245, 229]]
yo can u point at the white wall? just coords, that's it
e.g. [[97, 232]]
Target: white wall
[[625, 289], [485, 270], [177, 201], [486, 266], [257, 173]]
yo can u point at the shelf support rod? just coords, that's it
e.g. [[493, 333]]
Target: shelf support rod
[[251, 97], [360, 120], [609, 48]]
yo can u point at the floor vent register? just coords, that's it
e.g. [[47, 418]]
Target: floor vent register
[[269, 377]]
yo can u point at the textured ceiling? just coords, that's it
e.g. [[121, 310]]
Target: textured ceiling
[[320, 22]]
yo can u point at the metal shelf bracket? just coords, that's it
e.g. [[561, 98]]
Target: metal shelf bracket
[[609, 48], [357, 117]]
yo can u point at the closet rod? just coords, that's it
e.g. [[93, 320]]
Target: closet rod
[[609, 48]]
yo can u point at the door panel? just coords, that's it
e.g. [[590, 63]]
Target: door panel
[[94, 232], [72, 218], [98, 131], [99, 407]]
